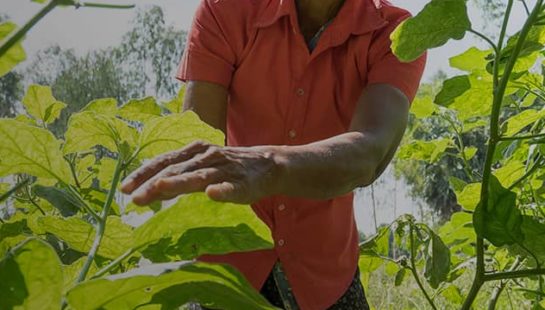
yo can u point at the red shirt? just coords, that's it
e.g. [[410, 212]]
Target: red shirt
[[280, 94]]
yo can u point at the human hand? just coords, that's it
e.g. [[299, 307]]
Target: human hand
[[230, 174]]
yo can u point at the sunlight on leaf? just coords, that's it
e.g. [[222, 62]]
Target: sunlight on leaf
[[15, 54]]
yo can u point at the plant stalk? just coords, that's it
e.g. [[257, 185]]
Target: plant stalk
[[414, 271], [101, 225], [499, 92], [19, 34], [514, 274]]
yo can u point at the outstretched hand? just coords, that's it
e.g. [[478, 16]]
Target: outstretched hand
[[229, 174]]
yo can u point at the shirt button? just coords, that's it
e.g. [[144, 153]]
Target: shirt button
[[292, 133], [300, 92], [281, 242], [281, 207]]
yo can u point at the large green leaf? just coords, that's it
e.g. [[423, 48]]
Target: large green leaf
[[31, 150], [169, 286], [521, 120], [439, 21], [471, 60], [500, 221], [458, 231], [31, 277], [59, 198], [79, 234], [41, 105], [437, 262], [452, 89], [194, 217], [14, 55], [161, 135], [140, 110], [176, 104], [89, 129], [470, 196], [71, 272], [423, 107], [106, 106], [510, 173], [534, 234]]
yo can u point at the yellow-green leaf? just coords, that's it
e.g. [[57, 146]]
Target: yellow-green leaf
[[519, 121], [168, 133], [423, 107], [471, 60], [31, 150], [15, 54], [41, 105], [140, 110]]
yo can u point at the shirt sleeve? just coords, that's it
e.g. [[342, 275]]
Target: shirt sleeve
[[385, 68], [208, 56]]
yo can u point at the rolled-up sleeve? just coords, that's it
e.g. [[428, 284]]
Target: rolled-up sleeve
[[208, 55], [385, 68]]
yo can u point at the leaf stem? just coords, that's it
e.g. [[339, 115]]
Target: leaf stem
[[527, 137], [19, 34], [101, 225], [17, 187], [113, 264], [482, 36], [415, 272], [106, 5], [499, 289], [514, 274]]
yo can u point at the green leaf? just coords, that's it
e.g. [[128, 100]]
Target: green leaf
[[452, 89], [400, 276], [500, 221], [41, 105], [169, 286], [519, 121], [60, 199], [471, 60], [107, 106], [477, 100], [72, 272], [15, 54], [174, 131], [31, 277], [414, 36], [89, 129], [510, 173], [532, 245], [31, 150], [369, 263], [423, 107], [470, 196], [429, 151], [470, 125], [453, 294], [378, 245], [141, 110], [437, 261], [457, 232], [193, 217], [470, 152], [176, 105], [79, 234]]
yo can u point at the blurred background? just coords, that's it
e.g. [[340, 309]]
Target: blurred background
[[89, 53]]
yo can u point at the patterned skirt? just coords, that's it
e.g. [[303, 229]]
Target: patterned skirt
[[277, 291]]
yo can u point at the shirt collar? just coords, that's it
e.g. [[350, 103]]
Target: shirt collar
[[355, 17]]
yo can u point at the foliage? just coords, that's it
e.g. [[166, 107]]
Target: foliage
[[72, 197], [494, 234]]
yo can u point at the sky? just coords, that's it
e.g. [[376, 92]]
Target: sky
[[87, 29]]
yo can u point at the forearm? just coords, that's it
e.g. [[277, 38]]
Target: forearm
[[331, 167]]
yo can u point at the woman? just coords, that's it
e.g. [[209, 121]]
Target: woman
[[314, 104]]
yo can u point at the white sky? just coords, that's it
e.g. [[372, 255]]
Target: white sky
[[87, 29]]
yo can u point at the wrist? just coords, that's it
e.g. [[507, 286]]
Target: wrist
[[278, 156]]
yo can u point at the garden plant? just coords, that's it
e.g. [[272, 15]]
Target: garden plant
[[67, 239]]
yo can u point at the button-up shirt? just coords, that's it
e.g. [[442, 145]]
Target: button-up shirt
[[280, 93]]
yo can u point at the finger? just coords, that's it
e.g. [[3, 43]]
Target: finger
[[227, 192], [144, 173], [164, 187]]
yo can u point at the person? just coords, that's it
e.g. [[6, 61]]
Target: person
[[314, 104]]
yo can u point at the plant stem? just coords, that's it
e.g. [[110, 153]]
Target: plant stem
[[482, 36], [101, 225], [499, 92], [106, 6], [499, 289], [528, 137], [514, 274], [113, 264], [17, 187], [19, 34], [414, 271]]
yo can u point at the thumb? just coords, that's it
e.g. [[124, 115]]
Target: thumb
[[224, 192]]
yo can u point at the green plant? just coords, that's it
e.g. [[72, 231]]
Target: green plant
[[499, 231], [70, 225]]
